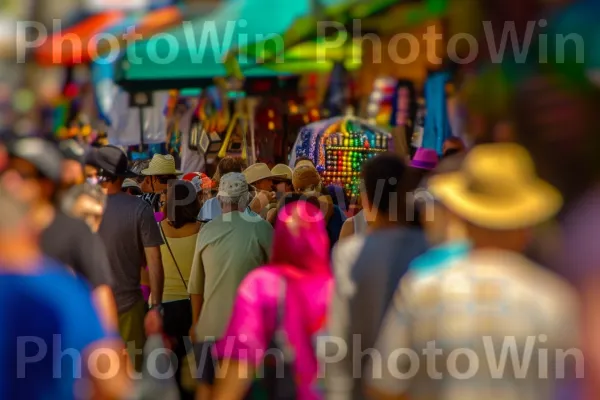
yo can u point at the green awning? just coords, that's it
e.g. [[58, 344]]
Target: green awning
[[200, 50], [407, 15]]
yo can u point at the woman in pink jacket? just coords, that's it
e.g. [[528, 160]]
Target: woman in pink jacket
[[283, 306]]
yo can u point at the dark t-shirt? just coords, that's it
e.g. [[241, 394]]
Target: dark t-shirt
[[127, 228], [71, 242]]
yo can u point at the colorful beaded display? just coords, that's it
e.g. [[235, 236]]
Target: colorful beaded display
[[338, 147]]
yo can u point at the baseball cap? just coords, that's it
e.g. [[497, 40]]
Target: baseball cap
[[112, 161], [43, 154]]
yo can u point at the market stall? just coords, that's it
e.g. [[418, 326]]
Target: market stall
[[338, 147]]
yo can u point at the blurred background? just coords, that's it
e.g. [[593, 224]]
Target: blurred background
[[88, 90]]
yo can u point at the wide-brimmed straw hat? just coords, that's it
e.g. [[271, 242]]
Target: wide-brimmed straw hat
[[284, 171], [161, 165], [259, 171], [497, 188]]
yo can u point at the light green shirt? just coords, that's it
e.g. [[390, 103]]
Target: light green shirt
[[228, 248]]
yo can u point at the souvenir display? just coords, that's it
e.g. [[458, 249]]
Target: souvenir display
[[338, 147]]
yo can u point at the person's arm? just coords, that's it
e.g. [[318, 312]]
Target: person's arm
[[152, 240], [156, 273], [104, 300], [261, 200], [347, 228], [196, 284]]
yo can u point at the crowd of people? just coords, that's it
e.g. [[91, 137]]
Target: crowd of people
[[137, 280]]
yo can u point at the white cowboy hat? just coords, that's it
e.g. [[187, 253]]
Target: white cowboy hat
[[161, 165], [259, 171], [282, 169], [497, 188]]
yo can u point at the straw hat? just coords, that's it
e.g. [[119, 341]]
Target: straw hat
[[305, 163], [259, 171], [282, 169], [305, 176], [130, 183], [161, 165], [497, 188]]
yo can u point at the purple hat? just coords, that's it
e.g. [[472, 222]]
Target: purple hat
[[425, 159]]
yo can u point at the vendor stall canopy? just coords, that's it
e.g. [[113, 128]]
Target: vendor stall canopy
[[244, 37], [81, 44]]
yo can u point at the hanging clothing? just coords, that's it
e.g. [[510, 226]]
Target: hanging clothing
[[437, 124]]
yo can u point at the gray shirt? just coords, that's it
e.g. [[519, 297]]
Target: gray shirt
[[127, 228], [367, 271]]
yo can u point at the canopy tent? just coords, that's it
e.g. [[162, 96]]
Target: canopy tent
[[208, 47], [87, 40], [306, 28], [406, 15]]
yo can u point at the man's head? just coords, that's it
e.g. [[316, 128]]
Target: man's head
[[283, 184], [73, 163], [227, 165], [160, 171], [113, 168], [498, 195], [306, 179], [233, 192], [301, 161], [131, 187], [260, 176], [90, 168], [39, 162], [85, 202], [382, 177]]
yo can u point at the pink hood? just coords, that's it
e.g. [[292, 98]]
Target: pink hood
[[301, 240]]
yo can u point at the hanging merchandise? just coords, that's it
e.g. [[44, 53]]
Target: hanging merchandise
[[336, 98], [437, 125], [338, 147], [419, 131], [125, 120], [404, 107], [379, 108]]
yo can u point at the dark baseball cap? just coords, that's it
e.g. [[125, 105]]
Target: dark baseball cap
[[113, 162], [72, 150], [43, 154]]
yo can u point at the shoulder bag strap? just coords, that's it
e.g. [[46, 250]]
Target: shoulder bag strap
[[162, 232]]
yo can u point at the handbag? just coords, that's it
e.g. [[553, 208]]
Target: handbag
[[267, 385]]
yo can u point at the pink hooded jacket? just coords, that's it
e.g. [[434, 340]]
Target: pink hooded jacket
[[301, 257]]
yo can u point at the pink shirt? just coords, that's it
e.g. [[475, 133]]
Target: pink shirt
[[255, 314]]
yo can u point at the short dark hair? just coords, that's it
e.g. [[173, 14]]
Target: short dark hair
[[382, 176], [182, 213], [229, 164]]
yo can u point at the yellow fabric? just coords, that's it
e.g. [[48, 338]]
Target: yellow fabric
[[183, 251]]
